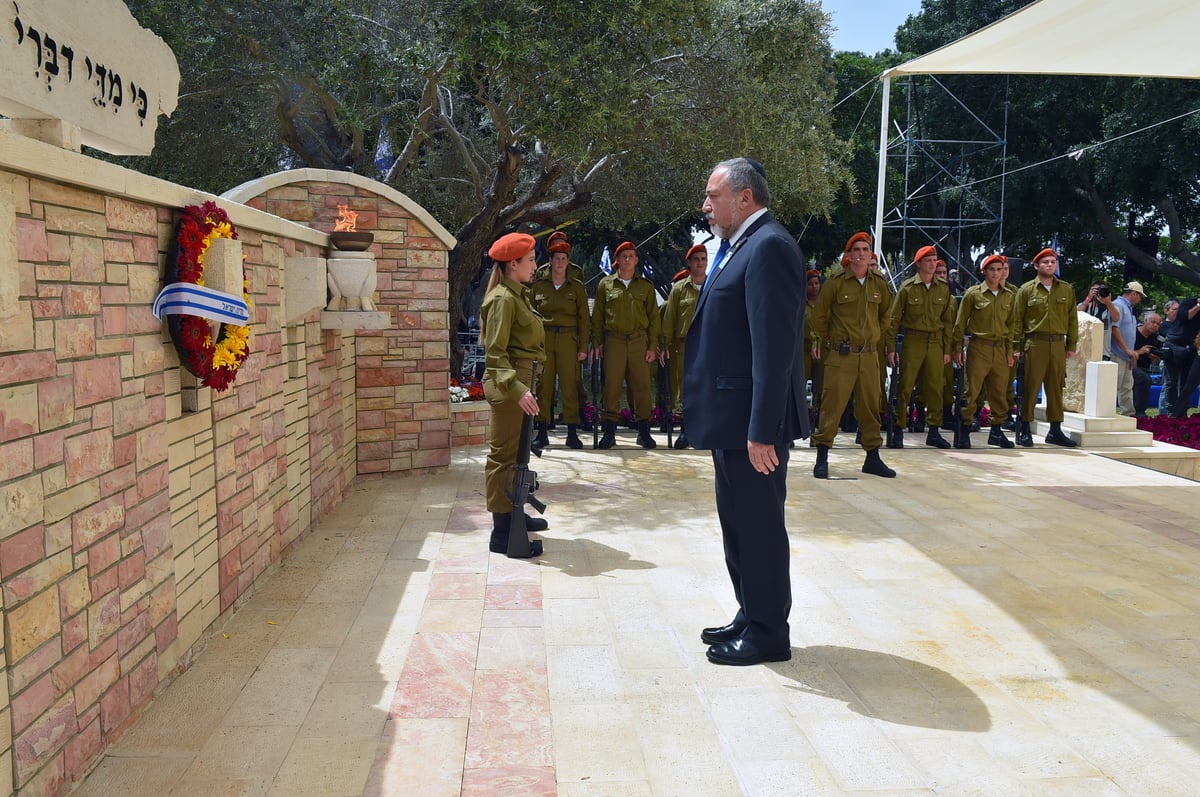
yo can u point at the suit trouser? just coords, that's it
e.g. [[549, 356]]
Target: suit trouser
[[922, 358], [843, 375], [562, 361], [504, 439], [987, 366], [1045, 368], [625, 361], [751, 508]]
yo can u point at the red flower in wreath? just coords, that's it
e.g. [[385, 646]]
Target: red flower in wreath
[[214, 362]]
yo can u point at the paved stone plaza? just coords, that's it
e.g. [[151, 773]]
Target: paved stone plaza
[[989, 623]]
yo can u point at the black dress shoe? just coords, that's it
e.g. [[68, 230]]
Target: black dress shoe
[[724, 633], [742, 652]]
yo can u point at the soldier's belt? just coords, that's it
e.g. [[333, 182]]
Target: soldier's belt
[[559, 329], [640, 333], [923, 333], [1043, 336], [986, 341], [866, 348]]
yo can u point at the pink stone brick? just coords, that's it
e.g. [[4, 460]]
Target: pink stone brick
[[97, 380], [104, 553], [31, 240], [124, 450], [22, 549], [88, 455], [112, 321], [104, 618], [129, 216], [104, 583], [58, 247], [153, 481], [133, 631], [82, 750], [131, 569], [142, 680], [56, 403], [97, 681], [74, 633], [30, 704], [74, 337], [46, 308], [118, 251], [48, 449], [140, 320], [145, 249], [16, 459], [27, 367], [93, 522], [18, 412]]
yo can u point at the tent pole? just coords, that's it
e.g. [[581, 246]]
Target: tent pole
[[883, 143]]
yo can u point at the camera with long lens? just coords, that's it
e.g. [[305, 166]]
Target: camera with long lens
[[1104, 291]]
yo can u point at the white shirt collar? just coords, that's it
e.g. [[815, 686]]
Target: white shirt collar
[[745, 224]]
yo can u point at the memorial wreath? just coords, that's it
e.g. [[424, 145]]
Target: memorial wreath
[[214, 362]]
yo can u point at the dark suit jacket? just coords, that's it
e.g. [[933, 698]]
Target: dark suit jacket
[[744, 365]]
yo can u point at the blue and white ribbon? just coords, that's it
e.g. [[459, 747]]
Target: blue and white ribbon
[[186, 298]]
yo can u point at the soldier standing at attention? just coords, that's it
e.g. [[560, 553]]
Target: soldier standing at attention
[[562, 302], [986, 314], [848, 319], [1047, 322], [924, 310], [513, 343], [625, 329], [677, 320]]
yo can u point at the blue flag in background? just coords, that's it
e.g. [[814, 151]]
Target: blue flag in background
[[1058, 260], [606, 262]]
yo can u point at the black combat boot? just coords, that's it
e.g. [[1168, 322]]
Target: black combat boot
[[1057, 437], [996, 438], [821, 469], [962, 438], [609, 438], [643, 436], [535, 523], [681, 442], [501, 526], [541, 440], [1025, 437], [573, 440], [874, 465], [934, 438]]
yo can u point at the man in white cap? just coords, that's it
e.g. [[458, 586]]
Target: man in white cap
[[1123, 336]]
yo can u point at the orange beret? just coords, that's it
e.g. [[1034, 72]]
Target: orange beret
[[941, 262], [694, 250], [510, 247], [859, 236], [987, 261], [556, 235], [924, 252], [683, 272], [812, 272], [845, 260], [1047, 252], [559, 245], [623, 246]]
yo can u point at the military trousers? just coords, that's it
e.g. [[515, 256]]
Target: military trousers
[[562, 365], [1045, 368], [987, 367], [842, 376], [675, 363], [625, 361], [921, 360], [504, 439]]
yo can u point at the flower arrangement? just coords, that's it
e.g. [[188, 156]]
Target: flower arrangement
[[214, 362], [1177, 431], [470, 390]]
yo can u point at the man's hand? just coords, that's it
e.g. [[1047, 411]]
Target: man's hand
[[816, 351], [651, 355], [762, 456]]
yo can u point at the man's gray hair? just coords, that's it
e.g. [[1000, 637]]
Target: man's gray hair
[[743, 173]]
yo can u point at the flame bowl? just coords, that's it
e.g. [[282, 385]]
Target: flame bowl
[[351, 241]]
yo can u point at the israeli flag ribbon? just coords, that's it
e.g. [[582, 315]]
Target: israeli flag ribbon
[[186, 298]]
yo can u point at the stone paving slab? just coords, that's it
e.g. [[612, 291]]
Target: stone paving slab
[[988, 623]]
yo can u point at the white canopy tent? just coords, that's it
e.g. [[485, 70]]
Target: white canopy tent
[[1114, 38]]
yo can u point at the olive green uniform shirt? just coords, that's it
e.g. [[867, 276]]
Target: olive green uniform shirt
[[924, 309], [678, 312], [565, 306], [512, 330], [987, 316], [624, 309], [850, 312], [574, 272], [1047, 312]]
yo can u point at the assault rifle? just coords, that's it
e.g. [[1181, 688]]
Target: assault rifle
[[665, 403], [520, 492], [961, 430], [895, 430], [597, 366]]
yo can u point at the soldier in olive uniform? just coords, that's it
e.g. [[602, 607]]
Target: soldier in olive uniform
[[676, 321], [557, 239], [986, 314], [948, 409], [1047, 321], [848, 318], [514, 343], [563, 304], [924, 310], [812, 367], [625, 329]]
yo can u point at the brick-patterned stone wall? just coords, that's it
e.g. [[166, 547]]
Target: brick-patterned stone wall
[[469, 423], [403, 372], [136, 508]]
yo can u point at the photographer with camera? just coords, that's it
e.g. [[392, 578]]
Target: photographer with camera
[[1148, 347], [1181, 342], [1098, 303], [1124, 332]]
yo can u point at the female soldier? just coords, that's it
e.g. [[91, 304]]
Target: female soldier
[[513, 343]]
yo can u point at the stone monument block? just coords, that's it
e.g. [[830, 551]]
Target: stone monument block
[[1090, 348], [1101, 397], [303, 287], [90, 65]]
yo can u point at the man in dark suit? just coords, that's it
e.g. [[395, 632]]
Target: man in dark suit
[[744, 399]]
